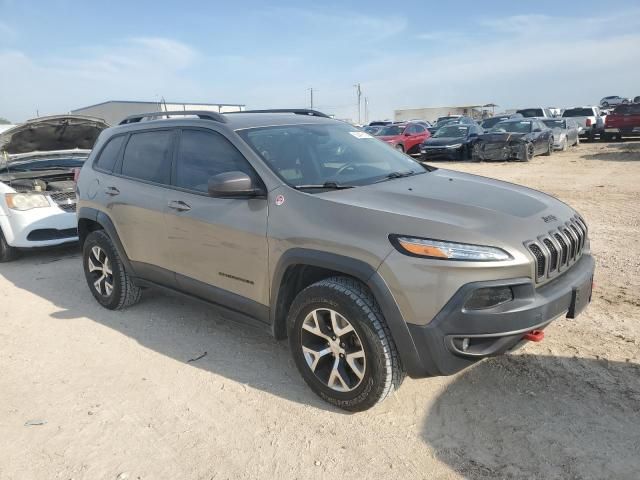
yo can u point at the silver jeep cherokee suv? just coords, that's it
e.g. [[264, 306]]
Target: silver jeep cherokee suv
[[372, 264]]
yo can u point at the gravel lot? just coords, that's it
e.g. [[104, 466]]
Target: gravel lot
[[118, 396]]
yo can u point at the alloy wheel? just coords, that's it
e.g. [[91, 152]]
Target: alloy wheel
[[100, 270], [332, 350]]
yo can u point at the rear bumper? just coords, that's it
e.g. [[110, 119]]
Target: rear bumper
[[496, 330]]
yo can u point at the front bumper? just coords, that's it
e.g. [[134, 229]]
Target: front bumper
[[496, 330], [441, 153], [501, 152], [39, 227]]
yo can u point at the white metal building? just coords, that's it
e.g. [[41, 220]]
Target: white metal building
[[431, 114], [114, 111]]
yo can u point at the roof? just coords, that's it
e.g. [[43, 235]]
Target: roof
[[162, 102]]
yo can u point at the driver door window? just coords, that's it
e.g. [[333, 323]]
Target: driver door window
[[204, 154]]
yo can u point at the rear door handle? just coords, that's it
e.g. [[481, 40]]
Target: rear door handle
[[179, 205], [111, 191]]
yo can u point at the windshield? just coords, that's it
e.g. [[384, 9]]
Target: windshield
[[334, 153], [531, 112], [389, 131], [512, 127], [578, 112], [442, 120], [554, 123], [490, 122], [451, 131], [44, 164]]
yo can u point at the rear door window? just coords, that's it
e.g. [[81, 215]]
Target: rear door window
[[110, 153], [147, 156], [203, 154]]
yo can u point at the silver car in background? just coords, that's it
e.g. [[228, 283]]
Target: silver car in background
[[613, 100], [565, 132]]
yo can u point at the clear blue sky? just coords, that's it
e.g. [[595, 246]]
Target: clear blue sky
[[60, 55]]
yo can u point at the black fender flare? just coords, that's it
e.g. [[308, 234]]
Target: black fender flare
[[368, 275], [105, 222]]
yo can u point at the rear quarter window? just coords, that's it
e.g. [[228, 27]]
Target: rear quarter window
[[109, 154], [147, 156]]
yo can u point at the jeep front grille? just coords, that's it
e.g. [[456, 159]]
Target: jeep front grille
[[65, 200], [559, 249]]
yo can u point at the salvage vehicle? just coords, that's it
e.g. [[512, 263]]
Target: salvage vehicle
[[613, 100], [405, 137], [451, 142], [37, 188], [516, 139], [565, 132], [373, 265], [623, 121], [590, 120]]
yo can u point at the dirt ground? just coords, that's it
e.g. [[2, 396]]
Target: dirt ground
[[87, 393]]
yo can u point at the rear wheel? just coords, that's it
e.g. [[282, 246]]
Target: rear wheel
[[7, 252], [106, 276], [342, 345]]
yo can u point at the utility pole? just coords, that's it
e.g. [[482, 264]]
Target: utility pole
[[311, 97], [358, 94], [366, 110]]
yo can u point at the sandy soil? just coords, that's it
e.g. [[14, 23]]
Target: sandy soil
[[118, 397]]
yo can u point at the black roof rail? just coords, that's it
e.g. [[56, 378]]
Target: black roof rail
[[202, 114], [297, 111]]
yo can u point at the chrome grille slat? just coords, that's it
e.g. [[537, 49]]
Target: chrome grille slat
[[559, 249]]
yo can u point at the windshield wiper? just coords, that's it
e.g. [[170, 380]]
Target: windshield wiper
[[325, 185], [393, 175]]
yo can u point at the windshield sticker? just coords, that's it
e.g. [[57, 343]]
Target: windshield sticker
[[361, 134]]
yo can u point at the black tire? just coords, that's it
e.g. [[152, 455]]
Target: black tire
[[549, 148], [124, 292], [605, 104], [383, 372], [529, 152], [7, 252]]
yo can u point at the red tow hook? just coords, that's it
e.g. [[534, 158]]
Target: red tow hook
[[534, 336]]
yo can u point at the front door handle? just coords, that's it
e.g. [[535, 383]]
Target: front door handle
[[179, 205], [112, 191]]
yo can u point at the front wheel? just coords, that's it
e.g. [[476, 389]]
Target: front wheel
[[106, 276], [342, 345], [7, 252]]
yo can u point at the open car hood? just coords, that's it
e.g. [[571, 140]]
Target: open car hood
[[47, 134]]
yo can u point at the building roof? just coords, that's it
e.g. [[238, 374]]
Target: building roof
[[160, 102]]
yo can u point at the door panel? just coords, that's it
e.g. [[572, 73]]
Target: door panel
[[137, 207], [220, 242], [217, 241]]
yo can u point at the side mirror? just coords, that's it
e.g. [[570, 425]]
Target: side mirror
[[234, 185], [537, 129], [471, 135]]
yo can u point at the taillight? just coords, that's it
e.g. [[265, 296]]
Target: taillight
[[588, 122], [76, 174]]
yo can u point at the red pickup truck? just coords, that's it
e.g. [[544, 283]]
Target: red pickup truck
[[624, 121]]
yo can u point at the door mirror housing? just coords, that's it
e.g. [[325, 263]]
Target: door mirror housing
[[537, 129], [234, 185]]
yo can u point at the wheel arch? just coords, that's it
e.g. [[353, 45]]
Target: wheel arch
[[91, 219], [299, 268]]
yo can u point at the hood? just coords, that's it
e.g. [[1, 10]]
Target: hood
[[46, 134], [459, 206], [501, 137], [444, 141]]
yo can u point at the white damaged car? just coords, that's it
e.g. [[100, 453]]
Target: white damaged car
[[38, 161]]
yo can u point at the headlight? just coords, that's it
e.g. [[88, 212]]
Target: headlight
[[457, 145], [427, 248], [26, 201]]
